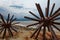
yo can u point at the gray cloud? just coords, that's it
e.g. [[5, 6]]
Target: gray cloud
[[16, 6]]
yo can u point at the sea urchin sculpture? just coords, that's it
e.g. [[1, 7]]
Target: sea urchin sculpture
[[46, 21], [6, 25]]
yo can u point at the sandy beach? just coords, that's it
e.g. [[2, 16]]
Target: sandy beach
[[24, 33]]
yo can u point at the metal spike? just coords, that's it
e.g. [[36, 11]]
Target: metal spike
[[34, 33], [8, 18], [10, 32], [56, 19], [48, 8], [56, 11], [56, 27], [2, 18], [48, 28], [39, 10], [56, 23], [53, 34], [13, 29], [38, 32], [34, 15], [1, 31], [54, 16], [31, 18], [32, 24], [52, 9], [1, 28], [44, 30], [13, 20], [4, 33], [12, 17]]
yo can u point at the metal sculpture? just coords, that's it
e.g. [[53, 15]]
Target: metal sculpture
[[46, 21], [6, 25]]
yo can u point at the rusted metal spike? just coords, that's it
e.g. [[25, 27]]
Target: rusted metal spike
[[39, 10], [13, 29], [44, 31], [2, 18], [38, 32], [1, 31], [48, 28], [34, 33], [53, 34], [46, 12], [12, 17], [10, 32], [56, 23], [52, 9], [8, 18], [12, 20], [56, 11], [48, 8], [4, 33], [34, 15], [56, 19], [1, 28], [31, 18], [54, 16], [56, 27], [32, 24]]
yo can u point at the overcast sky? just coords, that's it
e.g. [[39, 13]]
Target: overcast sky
[[21, 8]]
